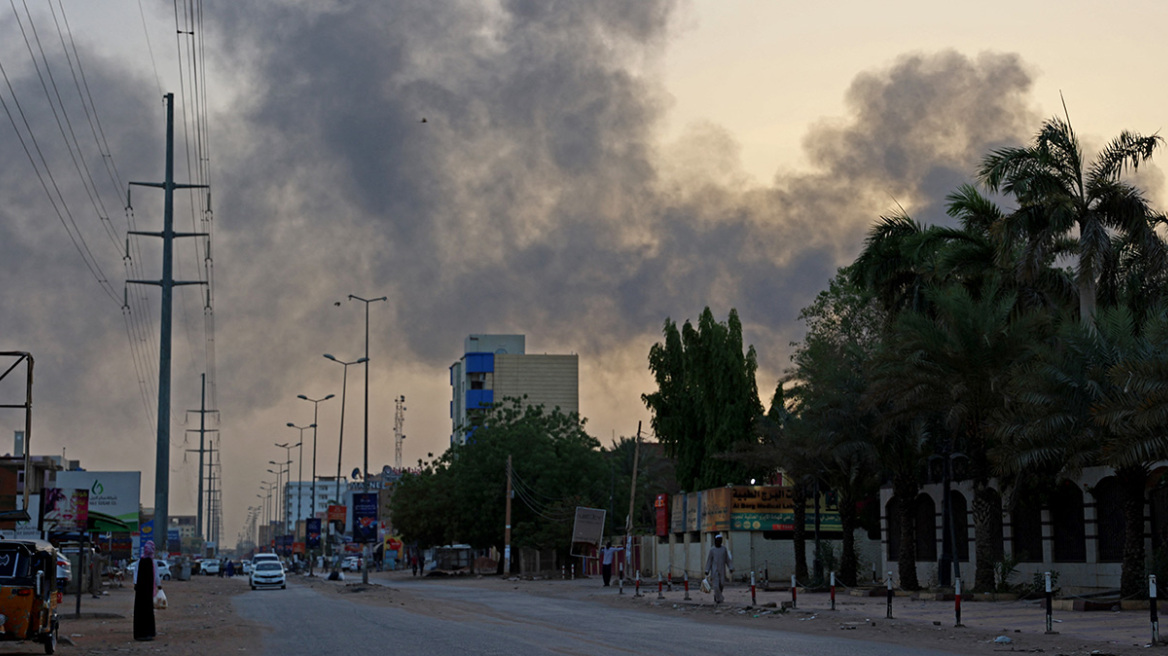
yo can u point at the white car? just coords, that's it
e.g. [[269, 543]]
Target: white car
[[268, 574], [209, 567], [351, 564], [160, 565], [64, 568], [245, 566]]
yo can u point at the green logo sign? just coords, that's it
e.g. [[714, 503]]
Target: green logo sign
[[97, 487]]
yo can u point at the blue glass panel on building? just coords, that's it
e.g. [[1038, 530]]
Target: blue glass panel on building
[[480, 363], [479, 399]]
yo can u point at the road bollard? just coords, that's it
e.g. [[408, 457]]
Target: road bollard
[[669, 580], [957, 601], [620, 580], [794, 594], [1049, 607], [753, 598], [638, 588], [686, 579], [833, 590], [1152, 609], [573, 571], [889, 584], [564, 572], [660, 594]]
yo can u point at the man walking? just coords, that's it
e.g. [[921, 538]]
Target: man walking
[[718, 560]]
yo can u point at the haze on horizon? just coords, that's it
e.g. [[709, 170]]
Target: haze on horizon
[[585, 170]]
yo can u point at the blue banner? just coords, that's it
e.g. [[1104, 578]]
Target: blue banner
[[365, 517], [312, 527]]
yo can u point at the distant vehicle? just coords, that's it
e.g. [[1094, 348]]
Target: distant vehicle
[[246, 566], [160, 565], [265, 556], [64, 568], [210, 566], [351, 564], [268, 573]]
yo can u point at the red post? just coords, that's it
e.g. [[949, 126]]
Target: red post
[[794, 594], [660, 594], [638, 592], [753, 598], [686, 579], [957, 601], [833, 590]]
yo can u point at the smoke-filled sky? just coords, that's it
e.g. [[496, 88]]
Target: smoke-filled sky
[[573, 170]]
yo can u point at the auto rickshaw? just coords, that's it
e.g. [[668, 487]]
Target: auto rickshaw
[[28, 592]]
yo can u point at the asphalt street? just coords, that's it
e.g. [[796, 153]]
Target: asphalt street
[[305, 621]]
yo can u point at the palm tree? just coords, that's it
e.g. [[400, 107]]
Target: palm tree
[[1067, 206], [955, 365]]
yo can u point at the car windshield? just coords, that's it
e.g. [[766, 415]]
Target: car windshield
[[269, 566]]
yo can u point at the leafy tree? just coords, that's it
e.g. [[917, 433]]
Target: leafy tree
[[706, 401], [556, 466], [828, 420]]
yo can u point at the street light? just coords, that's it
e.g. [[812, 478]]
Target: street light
[[300, 477], [315, 406], [282, 492], [341, 441], [365, 471]]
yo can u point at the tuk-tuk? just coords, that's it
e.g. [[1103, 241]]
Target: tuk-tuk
[[28, 592]]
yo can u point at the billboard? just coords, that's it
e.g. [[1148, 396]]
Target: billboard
[[64, 510], [313, 530], [715, 513], [365, 517], [111, 493], [589, 525], [772, 508]]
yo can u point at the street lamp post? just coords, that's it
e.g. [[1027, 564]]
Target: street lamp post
[[300, 480], [315, 406], [341, 441], [365, 471], [281, 493]]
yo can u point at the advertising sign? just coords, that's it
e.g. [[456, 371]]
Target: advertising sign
[[589, 525], [677, 517], [64, 510], [365, 517], [772, 508], [111, 493], [693, 507], [661, 506], [147, 533], [716, 505], [173, 541], [313, 529]]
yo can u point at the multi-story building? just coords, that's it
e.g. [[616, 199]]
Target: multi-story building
[[497, 367], [298, 499]]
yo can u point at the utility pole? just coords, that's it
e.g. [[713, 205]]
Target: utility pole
[[632, 499], [507, 525], [202, 431], [167, 283]]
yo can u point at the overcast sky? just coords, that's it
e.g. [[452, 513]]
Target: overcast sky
[[573, 170]]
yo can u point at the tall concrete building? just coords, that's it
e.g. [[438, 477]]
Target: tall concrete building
[[497, 367]]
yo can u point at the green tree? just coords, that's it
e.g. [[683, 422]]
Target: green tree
[[706, 401], [556, 466], [829, 422]]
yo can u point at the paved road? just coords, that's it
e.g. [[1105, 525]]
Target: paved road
[[306, 622]]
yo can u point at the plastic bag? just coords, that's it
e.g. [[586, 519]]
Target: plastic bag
[[706, 585], [160, 600]]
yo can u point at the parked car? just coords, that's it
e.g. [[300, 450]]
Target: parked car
[[268, 574], [246, 566], [160, 565], [210, 567], [351, 564], [64, 568], [265, 556]]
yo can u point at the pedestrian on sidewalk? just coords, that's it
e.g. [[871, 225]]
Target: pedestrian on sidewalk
[[146, 584], [606, 557], [718, 560]]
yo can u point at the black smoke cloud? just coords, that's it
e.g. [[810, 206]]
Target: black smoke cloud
[[533, 198]]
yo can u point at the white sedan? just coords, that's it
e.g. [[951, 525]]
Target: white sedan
[[268, 574], [161, 565]]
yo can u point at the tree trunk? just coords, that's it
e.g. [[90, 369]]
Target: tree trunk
[[987, 522], [905, 489], [1131, 580], [799, 538], [849, 562]]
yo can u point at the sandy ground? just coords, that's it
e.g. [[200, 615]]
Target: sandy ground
[[200, 618]]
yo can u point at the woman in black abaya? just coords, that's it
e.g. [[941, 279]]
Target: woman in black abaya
[[145, 587]]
